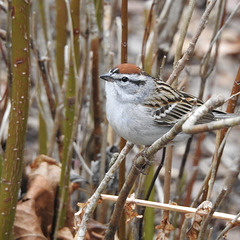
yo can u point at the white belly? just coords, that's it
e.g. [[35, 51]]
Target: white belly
[[129, 122]]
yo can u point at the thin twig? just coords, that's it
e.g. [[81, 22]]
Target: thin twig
[[180, 179], [142, 210], [161, 20], [223, 123], [103, 149], [46, 80], [223, 27], [124, 38], [228, 227], [124, 59], [200, 192], [186, 56], [213, 102], [169, 207], [191, 182], [204, 183], [215, 161], [184, 28], [97, 194], [85, 166], [231, 178], [167, 178], [139, 165], [207, 66], [205, 223], [53, 134], [75, 67], [146, 34]]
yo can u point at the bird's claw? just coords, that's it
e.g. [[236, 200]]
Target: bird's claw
[[146, 163]]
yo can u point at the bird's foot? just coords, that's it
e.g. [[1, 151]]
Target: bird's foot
[[141, 167]]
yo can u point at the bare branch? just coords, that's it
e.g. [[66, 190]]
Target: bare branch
[[169, 207], [213, 102], [97, 194], [182, 62]]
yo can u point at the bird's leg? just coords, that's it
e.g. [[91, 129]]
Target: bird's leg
[[147, 161]]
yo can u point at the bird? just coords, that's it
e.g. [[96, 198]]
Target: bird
[[141, 108]]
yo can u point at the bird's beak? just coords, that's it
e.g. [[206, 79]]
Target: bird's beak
[[106, 77]]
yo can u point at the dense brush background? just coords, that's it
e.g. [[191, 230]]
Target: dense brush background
[[70, 46]]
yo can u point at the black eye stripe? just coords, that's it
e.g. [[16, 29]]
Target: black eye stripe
[[125, 78], [138, 83]]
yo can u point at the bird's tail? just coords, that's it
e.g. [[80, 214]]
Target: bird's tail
[[218, 115]]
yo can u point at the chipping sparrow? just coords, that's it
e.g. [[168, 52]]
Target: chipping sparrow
[[141, 108]]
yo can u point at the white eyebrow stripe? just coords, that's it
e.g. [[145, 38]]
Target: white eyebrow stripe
[[114, 70]]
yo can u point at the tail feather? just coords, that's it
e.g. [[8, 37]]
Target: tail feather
[[218, 115]]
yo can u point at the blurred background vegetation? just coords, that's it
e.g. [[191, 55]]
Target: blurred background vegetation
[[55, 142]]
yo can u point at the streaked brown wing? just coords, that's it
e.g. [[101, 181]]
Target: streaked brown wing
[[169, 105], [169, 114], [209, 117]]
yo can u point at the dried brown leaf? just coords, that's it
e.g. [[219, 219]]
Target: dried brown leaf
[[43, 158], [130, 210], [34, 214], [202, 211], [164, 229], [64, 234], [27, 224], [96, 230]]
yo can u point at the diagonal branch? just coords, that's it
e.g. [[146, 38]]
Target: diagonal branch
[[139, 165], [186, 56], [97, 194], [213, 102]]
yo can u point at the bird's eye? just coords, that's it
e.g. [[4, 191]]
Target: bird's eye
[[124, 79]]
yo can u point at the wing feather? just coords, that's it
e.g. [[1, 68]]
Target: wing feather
[[170, 105]]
